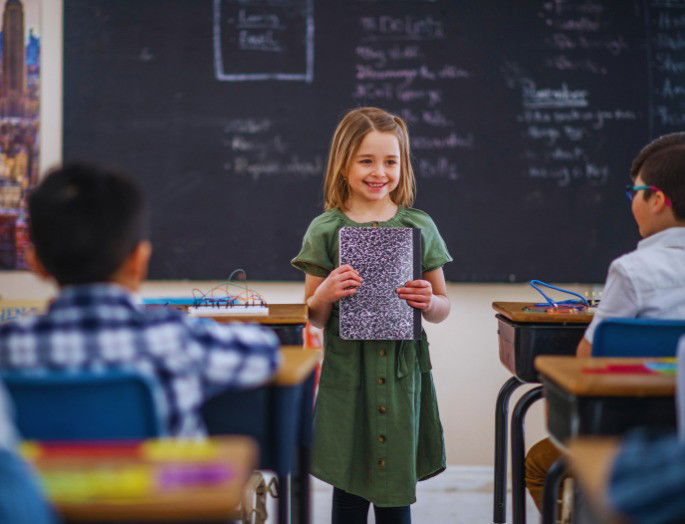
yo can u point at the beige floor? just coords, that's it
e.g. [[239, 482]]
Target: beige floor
[[460, 495]]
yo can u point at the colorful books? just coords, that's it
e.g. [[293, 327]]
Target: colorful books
[[128, 470], [386, 259]]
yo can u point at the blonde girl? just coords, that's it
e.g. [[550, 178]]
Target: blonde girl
[[376, 425]]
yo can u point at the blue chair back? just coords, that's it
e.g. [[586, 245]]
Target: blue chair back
[[637, 337], [83, 405], [680, 388]]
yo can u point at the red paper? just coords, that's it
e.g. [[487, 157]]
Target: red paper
[[620, 369]]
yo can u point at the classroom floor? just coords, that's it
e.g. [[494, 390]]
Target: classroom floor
[[460, 495]]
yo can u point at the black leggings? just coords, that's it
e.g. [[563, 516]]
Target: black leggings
[[351, 509]]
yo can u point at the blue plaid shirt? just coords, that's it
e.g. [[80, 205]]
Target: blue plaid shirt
[[99, 326], [647, 479]]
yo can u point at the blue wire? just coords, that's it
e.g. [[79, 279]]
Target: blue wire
[[551, 302]]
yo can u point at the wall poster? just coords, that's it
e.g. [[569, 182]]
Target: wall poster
[[19, 123]]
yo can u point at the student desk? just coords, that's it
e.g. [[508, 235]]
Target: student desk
[[292, 389], [589, 460], [523, 336], [215, 500], [582, 403], [279, 416], [287, 321]]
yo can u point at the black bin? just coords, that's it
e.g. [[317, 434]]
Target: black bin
[[521, 342]]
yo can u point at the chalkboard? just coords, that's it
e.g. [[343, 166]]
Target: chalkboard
[[524, 117]]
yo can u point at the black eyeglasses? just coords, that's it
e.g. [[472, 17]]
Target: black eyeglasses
[[631, 190]]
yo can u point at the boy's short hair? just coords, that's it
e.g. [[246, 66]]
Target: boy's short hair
[[84, 221], [661, 163]]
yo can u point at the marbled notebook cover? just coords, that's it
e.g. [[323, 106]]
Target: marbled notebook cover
[[386, 258]]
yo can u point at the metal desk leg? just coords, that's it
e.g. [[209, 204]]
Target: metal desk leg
[[301, 504], [499, 509], [518, 452], [302, 497], [552, 483], [283, 499]]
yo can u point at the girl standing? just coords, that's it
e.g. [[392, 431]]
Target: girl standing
[[376, 425]]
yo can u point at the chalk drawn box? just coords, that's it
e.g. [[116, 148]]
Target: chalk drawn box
[[263, 40], [386, 258]]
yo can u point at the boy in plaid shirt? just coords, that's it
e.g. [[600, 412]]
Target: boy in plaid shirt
[[88, 232]]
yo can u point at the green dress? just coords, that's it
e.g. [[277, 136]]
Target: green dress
[[377, 430]]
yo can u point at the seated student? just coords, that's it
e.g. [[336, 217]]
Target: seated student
[[21, 501], [88, 233], [648, 282], [647, 480]]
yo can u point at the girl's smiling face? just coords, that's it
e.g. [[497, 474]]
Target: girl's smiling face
[[374, 171]]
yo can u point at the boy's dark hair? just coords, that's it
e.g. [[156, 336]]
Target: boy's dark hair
[[661, 163], [84, 221]]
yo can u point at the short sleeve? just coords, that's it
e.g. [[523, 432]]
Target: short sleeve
[[619, 298], [314, 257], [435, 254]]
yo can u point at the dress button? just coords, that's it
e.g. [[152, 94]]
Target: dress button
[[381, 439], [381, 380], [381, 410], [381, 463], [382, 352]]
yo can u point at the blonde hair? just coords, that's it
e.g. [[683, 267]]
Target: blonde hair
[[347, 138]]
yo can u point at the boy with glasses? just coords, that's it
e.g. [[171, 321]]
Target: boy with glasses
[[648, 282]]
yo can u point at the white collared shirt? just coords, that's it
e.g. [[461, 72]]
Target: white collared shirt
[[646, 283]]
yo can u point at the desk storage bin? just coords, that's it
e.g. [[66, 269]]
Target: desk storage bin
[[288, 334], [572, 416], [521, 342]]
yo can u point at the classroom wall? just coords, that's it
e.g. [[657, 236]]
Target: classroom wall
[[464, 353], [464, 348]]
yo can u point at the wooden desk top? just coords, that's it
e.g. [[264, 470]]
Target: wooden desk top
[[514, 312], [11, 309], [590, 460], [567, 372], [278, 314], [197, 503], [297, 363]]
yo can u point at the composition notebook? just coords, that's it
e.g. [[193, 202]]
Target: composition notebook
[[386, 258]]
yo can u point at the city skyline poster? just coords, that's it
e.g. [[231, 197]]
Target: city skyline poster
[[19, 124]]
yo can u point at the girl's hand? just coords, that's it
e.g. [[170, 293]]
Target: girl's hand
[[343, 281], [417, 293]]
